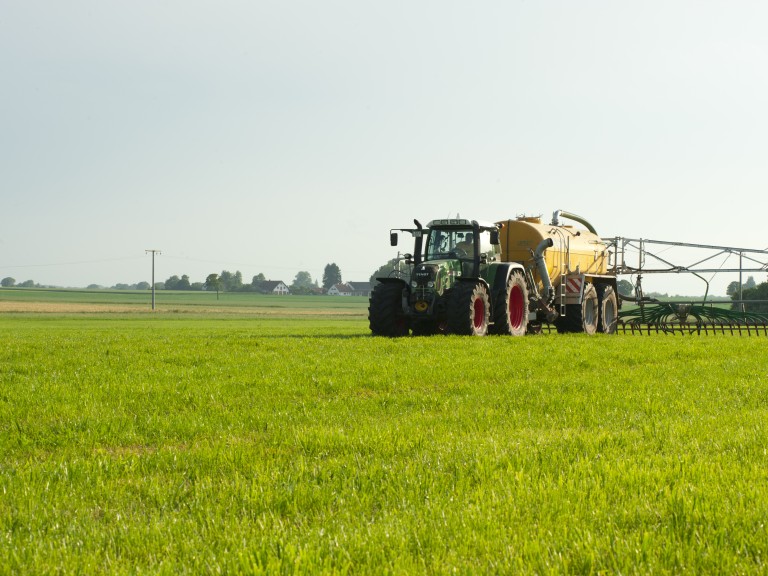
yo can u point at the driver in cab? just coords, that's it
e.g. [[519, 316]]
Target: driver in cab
[[464, 248]]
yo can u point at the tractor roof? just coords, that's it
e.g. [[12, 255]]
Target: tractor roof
[[460, 223]]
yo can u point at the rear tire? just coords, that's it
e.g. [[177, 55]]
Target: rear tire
[[468, 311], [581, 317], [510, 314], [385, 310], [608, 307]]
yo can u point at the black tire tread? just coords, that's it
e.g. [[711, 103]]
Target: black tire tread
[[501, 320], [461, 309], [607, 296], [385, 316], [574, 313]]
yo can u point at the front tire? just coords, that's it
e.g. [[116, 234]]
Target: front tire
[[510, 315], [385, 310], [469, 309]]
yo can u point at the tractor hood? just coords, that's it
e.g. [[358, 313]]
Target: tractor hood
[[438, 275]]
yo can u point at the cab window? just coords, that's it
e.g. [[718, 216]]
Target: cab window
[[444, 243]]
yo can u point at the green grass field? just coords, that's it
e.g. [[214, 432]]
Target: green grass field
[[170, 301], [231, 442]]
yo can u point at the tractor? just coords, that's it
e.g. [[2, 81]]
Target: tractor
[[458, 284]]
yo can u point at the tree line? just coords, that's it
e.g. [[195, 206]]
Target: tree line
[[303, 283], [226, 281]]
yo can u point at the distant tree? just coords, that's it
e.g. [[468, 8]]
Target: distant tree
[[302, 283], [94, 287], [213, 282], [257, 280], [331, 276], [27, 284], [143, 286], [121, 287], [172, 283], [733, 287], [759, 292], [256, 283], [625, 287], [8, 282], [197, 286], [225, 279], [237, 281], [183, 284]]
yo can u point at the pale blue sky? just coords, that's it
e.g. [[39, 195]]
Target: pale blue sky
[[278, 136]]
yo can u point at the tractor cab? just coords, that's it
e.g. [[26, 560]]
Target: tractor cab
[[462, 240], [449, 249]]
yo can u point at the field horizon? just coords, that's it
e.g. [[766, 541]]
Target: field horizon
[[76, 301]]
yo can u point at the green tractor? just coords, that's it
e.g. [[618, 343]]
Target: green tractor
[[458, 285]]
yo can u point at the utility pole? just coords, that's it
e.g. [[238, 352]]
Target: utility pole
[[153, 273]]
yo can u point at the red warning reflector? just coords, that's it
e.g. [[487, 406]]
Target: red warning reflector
[[573, 285]]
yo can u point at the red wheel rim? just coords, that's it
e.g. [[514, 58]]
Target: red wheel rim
[[479, 313], [516, 307]]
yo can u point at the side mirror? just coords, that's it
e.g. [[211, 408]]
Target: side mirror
[[495, 237], [408, 258], [393, 238]]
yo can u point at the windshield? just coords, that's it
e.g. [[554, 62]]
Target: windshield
[[449, 244], [445, 243]]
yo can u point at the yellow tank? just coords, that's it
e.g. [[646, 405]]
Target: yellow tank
[[573, 251]]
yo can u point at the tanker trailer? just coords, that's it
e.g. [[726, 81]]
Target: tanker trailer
[[566, 271]]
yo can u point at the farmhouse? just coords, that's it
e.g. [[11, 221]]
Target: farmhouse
[[340, 290], [350, 289], [273, 287]]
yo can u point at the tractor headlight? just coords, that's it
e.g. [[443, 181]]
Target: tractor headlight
[[414, 284], [430, 284]]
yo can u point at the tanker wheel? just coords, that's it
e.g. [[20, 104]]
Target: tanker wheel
[[590, 311], [608, 308], [468, 311], [581, 317], [385, 310], [510, 315]]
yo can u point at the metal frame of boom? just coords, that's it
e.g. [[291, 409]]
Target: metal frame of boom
[[620, 246], [672, 316]]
